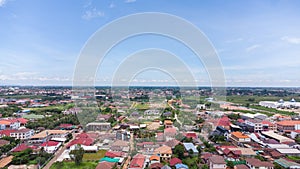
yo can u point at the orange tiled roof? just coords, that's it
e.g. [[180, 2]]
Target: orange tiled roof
[[239, 135]]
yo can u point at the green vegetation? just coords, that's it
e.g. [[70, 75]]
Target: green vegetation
[[26, 157], [68, 165], [53, 121], [77, 154], [8, 111], [6, 148], [141, 106], [272, 110], [294, 158], [94, 156]]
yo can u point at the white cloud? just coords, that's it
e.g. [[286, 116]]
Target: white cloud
[[292, 40], [130, 1], [94, 13], [253, 47], [2, 2]]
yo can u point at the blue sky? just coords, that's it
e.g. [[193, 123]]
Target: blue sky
[[258, 42]]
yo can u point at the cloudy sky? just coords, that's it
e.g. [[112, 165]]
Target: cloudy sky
[[258, 42]]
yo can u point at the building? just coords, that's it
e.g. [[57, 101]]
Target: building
[[255, 123], [95, 126], [288, 125], [254, 163], [51, 146], [9, 124], [238, 137], [277, 137], [137, 162], [280, 104], [190, 146], [168, 124], [47, 135], [164, 152], [216, 162], [122, 135], [22, 134]]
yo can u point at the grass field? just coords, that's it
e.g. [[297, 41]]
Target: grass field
[[140, 106], [72, 165], [94, 156]]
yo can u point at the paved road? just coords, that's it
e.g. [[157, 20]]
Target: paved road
[[58, 153]]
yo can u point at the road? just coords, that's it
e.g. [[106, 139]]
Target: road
[[58, 153], [132, 148]]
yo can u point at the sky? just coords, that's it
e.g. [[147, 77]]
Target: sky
[[258, 42]]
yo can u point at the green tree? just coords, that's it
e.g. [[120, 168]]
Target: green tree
[[230, 164], [179, 151], [77, 154], [205, 166]]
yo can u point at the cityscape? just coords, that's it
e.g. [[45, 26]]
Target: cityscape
[[135, 84]]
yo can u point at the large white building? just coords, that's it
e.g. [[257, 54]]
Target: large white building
[[280, 104]]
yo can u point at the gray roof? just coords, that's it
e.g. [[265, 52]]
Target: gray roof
[[190, 146]]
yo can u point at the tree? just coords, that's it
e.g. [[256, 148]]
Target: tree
[[230, 164], [77, 154], [179, 151], [205, 166]]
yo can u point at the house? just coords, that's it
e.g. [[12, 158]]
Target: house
[[9, 124], [22, 134], [154, 159], [240, 151], [122, 135], [82, 139], [164, 152], [288, 125], [5, 161], [190, 147], [51, 146], [170, 133], [168, 124], [120, 145], [172, 143], [216, 162], [238, 138], [137, 162], [255, 123], [152, 113], [295, 134], [174, 161], [254, 163], [96, 126], [105, 165], [267, 125]]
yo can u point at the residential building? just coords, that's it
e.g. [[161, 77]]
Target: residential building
[[190, 146], [168, 124], [255, 123], [95, 126], [164, 152], [137, 162], [254, 163], [288, 125], [22, 134], [216, 162], [238, 137]]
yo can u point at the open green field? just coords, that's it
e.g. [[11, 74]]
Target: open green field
[[256, 99], [72, 165], [140, 106], [94, 156]]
